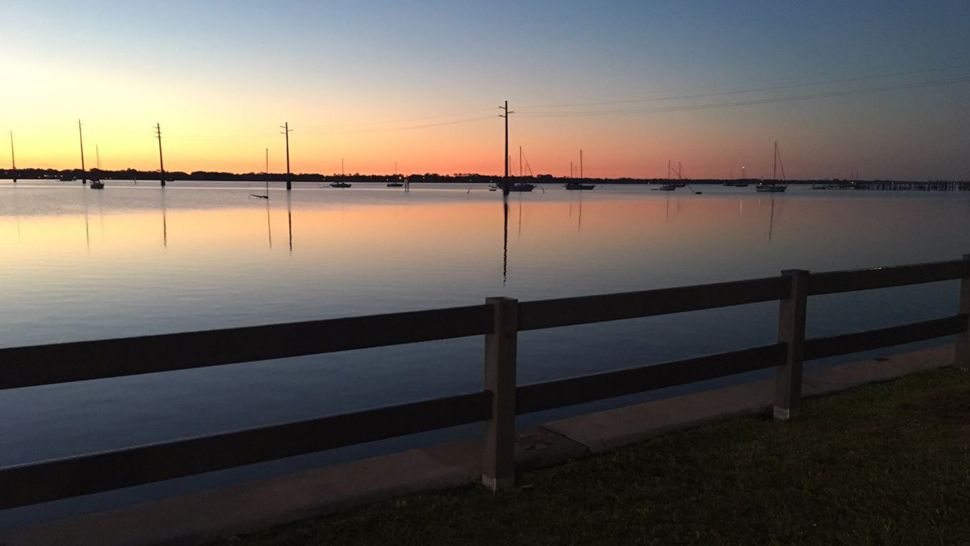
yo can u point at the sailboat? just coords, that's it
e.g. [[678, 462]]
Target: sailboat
[[771, 186], [340, 183], [96, 183], [578, 185], [522, 186], [84, 174], [397, 181], [13, 159], [266, 177]]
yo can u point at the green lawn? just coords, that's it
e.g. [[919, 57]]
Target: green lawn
[[882, 464]]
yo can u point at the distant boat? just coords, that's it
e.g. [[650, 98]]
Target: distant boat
[[576, 185], [397, 182], [340, 184], [668, 187], [492, 187], [522, 186], [266, 177], [96, 183], [772, 186]]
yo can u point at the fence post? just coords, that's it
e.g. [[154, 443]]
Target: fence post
[[962, 356], [498, 457], [791, 332]]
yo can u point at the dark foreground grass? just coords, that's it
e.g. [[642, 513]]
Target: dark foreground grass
[[883, 464]]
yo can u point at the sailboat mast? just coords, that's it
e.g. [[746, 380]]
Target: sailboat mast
[[774, 172], [13, 159], [97, 156], [161, 160], [581, 163], [84, 179], [520, 160], [266, 172]]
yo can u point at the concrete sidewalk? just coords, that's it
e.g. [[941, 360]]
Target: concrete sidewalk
[[194, 518]]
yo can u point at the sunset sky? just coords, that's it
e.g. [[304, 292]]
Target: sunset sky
[[878, 87]]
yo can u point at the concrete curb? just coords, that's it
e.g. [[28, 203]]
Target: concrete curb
[[198, 517]]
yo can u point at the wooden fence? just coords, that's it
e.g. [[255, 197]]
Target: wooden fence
[[499, 320]]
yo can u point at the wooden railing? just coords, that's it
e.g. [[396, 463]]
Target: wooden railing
[[499, 320]]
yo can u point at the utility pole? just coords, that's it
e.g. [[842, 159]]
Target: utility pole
[[286, 133], [161, 161], [505, 109], [13, 159], [84, 178]]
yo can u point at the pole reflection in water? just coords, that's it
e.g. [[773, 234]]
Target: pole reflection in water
[[269, 225], [505, 239], [579, 225], [16, 209], [87, 228], [771, 217], [164, 220], [100, 213], [289, 217]]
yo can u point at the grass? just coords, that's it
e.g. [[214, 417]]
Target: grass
[[883, 464]]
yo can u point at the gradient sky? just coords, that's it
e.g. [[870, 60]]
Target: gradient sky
[[363, 81]]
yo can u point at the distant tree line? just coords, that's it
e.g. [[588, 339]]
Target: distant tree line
[[461, 178]]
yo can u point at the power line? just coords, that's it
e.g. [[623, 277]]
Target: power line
[[749, 102], [750, 90]]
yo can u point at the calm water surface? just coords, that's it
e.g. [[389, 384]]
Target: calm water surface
[[135, 259]]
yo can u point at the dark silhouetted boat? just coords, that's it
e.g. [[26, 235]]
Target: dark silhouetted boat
[[522, 186], [340, 184], [578, 186], [266, 177], [96, 183]]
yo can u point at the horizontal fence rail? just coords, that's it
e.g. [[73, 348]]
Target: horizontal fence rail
[[51, 480], [499, 321], [884, 337], [535, 315], [835, 282], [589, 388], [84, 360]]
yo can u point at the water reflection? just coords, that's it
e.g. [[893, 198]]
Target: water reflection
[[269, 223], [164, 206], [386, 249], [505, 239], [289, 218]]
